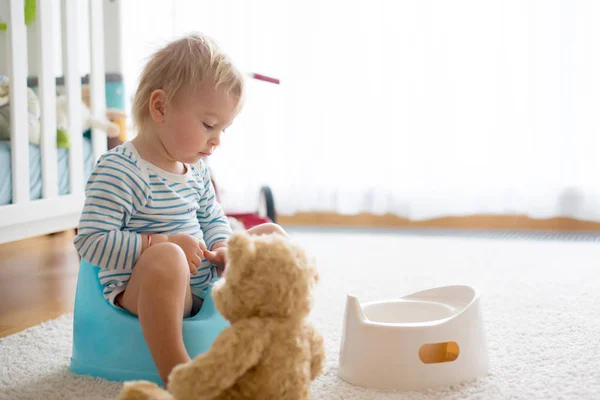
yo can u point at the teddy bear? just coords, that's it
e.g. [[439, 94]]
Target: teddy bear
[[270, 350], [63, 140], [87, 119], [33, 112]]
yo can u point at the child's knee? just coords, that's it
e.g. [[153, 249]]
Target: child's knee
[[165, 262], [274, 228], [267, 228]]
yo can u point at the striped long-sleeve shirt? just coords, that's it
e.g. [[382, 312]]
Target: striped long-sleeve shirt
[[126, 197]]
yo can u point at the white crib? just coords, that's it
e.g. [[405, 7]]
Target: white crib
[[25, 217]]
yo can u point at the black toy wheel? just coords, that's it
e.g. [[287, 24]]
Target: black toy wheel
[[266, 203]]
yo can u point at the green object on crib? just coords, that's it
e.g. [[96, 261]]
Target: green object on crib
[[63, 140], [30, 14]]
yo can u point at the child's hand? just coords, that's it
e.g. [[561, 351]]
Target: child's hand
[[192, 247], [218, 256]]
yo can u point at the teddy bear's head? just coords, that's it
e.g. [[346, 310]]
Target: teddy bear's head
[[267, 276]]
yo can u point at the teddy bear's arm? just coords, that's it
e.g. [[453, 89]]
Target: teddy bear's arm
[[317, 351], [236, 350]]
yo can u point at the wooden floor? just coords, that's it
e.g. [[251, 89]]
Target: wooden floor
[[37, 281]]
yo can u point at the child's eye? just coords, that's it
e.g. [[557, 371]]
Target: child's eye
[[207, 126]]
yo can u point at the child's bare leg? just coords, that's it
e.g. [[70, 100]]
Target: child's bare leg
[[159, 294], [266, 229]]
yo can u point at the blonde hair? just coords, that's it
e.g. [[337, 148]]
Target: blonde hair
[[184, 64]]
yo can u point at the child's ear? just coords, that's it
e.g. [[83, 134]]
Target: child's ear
[[156, 106]]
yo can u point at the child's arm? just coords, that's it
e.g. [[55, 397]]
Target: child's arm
[[213, 221], [114, 192]]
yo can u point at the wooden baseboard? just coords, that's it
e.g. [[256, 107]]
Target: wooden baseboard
[[495, 222]]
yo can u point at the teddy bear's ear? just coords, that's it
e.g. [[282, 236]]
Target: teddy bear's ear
[[239, 245]]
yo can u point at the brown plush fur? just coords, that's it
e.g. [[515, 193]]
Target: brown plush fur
[[270, 351]]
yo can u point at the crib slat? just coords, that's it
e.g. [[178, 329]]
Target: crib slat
[[47, 96], [70, 32], [97, 77], [19, 129]]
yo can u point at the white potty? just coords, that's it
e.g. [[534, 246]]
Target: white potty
[[425, 340]]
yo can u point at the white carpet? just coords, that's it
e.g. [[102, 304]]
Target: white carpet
[[540, 299]]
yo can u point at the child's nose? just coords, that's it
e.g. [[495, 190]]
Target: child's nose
[[215, 140]]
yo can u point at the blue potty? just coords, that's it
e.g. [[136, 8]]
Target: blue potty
[[108, 341]]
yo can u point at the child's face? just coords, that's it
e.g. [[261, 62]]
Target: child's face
[[193, 124]]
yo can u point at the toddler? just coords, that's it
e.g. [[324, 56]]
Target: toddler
[[151, 221]]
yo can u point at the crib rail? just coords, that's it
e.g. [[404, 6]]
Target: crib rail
[[47, 90], [26, 217], [17, 64], [97, 77], [70, 30]]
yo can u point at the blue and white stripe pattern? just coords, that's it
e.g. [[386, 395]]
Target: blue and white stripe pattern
[[127, 197]]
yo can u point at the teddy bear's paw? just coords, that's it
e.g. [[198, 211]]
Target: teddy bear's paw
[[142, 390]]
